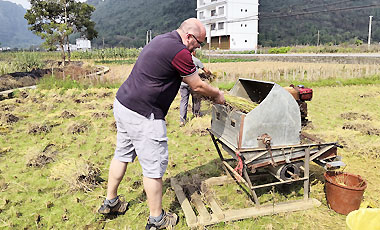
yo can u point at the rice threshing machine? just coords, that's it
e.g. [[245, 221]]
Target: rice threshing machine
[[268, 139]]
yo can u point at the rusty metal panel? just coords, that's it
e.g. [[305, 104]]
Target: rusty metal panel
[[226, 124]]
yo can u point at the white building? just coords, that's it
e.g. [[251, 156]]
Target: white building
[[80, 44], [231, 24], [83, 44]]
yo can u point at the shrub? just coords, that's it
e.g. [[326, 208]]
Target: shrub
[[279, 50], [358, 42]]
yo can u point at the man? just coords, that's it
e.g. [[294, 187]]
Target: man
[[186, 91], [140, 107]]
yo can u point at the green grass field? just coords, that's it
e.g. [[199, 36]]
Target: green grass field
[[56, 146]]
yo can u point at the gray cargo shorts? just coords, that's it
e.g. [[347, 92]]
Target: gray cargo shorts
[[142, 137]]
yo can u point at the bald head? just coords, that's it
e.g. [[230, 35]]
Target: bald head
[[193, 26]]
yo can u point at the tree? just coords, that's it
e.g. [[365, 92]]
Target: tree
[[55, 20]]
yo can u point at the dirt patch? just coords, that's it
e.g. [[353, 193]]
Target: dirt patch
[[104, 94], [36, 100], [3, 151], [66, 114], [74, 71], [200, 132], [108, 107], [366, 129], [78, 128], [99, 115], [43, 158], [373, 152], [10, 118], [113, 126], [58, 101], [355, 116], [21, 79], [85, 94], [136, 184], [86, 177], [36, 129], [7, 107], [90, 106], [78, 100], [23, 94]]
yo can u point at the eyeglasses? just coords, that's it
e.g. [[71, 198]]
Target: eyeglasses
[[200, 43]]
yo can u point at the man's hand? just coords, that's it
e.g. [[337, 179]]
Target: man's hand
[[201, 87], [220, 98]]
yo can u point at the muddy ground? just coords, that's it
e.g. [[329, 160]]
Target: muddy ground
[[74, 70]]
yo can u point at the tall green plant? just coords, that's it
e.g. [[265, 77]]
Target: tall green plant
[[28, 61]]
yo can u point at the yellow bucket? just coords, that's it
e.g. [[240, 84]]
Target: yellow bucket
[[364, 219]]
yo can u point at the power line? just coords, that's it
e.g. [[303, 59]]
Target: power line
[[291, 6], [322, 11], [256, 17], [326, 5]]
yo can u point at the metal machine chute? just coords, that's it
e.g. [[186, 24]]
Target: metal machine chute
[[268, 137]]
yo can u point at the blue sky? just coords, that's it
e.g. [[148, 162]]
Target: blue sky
[[24, 3]]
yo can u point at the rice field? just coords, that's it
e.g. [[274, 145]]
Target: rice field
[[286, 71]]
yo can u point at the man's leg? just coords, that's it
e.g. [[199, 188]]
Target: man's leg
[[196, 99], [114, 204], [184, 90], [115, 175], [153, 190]]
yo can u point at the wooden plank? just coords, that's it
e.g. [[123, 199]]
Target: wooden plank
[[191, 218], [239, 214], [306, 183], [322, 151], [215, 207], [196, 199], [277, 183], [238, 177], [215, 181], [211, 201], [219, 215]]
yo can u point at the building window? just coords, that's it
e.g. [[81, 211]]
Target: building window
[[213, 26], [213, 13], [241, 10], [214, 0], [220, 25], [245, 25], [201, 15], [221, 10], [245, 40], [245, 10]]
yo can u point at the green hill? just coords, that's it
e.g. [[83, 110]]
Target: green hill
[[125, 22], [13, 27], [335, 25]]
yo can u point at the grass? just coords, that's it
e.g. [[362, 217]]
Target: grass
[[47, 196], [319, 83], [119, 62]]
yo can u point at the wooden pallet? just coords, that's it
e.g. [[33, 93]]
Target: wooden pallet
[[200, 195]]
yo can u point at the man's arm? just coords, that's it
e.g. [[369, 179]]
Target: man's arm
[[201, 87]]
